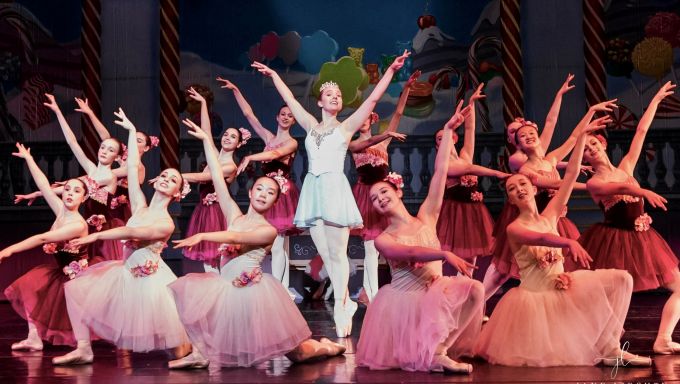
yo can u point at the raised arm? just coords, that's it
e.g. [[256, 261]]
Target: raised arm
[[41, 181], [63, 233], [521, 235], [401, 104], [558, 154], [630, 160], [553, 113], [84, 107], [599, 188], [286, 149], [304, 118], [262, 235], [392, 250], [359, 145], [429, 210], [465, 168], [354, 121], [467, 153], [160, 231], [229, 208], [247, 110], [71, 140], [137, 199]]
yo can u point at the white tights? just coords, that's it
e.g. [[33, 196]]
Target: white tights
[[281, 259], [370, 269], [331, 243]]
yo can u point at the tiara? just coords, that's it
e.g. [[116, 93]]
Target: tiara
[[328, 84], [280, 179], [245, 135]]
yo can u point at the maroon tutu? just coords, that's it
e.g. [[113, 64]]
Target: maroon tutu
[[465, 225], [120, 204], [626, 241], [207, 217], [98, 212], [38, 295], [281, 214]]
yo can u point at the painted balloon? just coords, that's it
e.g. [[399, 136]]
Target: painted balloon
[[289, 46], [350, 78], [665, 25], [653, 57], [269, 45], [254, 53], [317, 49]]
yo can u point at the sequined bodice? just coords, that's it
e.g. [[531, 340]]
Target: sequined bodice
[[416, 276], [98, 199], [326, 151]]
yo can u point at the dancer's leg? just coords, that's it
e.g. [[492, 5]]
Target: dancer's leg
[[337, 239], [370, 269], [83, 353], [318, 234], [32, 342], [670, 315], [311, 348], [493, 280], [279, 260]]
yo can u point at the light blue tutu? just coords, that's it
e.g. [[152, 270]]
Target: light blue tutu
[[327, 197]]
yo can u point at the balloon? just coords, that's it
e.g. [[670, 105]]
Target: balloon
[[254, 53], [269, 45], [426, 21], [289, 46], [665, 25], [357, 54], [653, 57], [317, 49], [619, 63], [349, 77]]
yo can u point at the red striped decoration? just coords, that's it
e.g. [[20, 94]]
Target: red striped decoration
[[594, 51], [169, 84], [33, 112], [92, 84], [513, 99]]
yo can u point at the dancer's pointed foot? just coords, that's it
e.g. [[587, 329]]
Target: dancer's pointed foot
[[442, 363], [335, 349], [343, 318], [77, 356], [28, 345], [191, 361], [666, 347], [626, 359]]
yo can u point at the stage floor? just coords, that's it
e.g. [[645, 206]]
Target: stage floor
[[112, 366]]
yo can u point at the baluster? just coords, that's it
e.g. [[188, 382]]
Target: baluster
[[408, 173], [65, 167], [193, 160], [676, 166], [660, 169], [425, 174], [5, 182], [643, 170]]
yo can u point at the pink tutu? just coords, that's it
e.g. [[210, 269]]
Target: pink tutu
[[239, 325], [282, 213], [207, 217], [550, 327], [374, 223], [464, 227], [402, 328]]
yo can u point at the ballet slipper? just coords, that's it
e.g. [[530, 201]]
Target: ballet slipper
[[485, 319], [195, 360], [666, 347], [442, 363], [28, 345], [343, 319], [77, 356], [626, 359], [336, 349]]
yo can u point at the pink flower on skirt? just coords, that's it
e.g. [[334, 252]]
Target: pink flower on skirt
[[563, 281], [246, 278], [476, 196], [209, 199], [74, 268], [550, 257], [147, 269], [96, 221], [228, 251], [642, 223]]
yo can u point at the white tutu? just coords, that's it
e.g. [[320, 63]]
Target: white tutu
[[136, 313], [327, 197], [239, 326]]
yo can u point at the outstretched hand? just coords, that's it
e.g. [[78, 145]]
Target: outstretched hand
[[195, 95], [51, 103], [89, 239], [195, 130], [123, 120], [605, 106], [399, 61], [579, 254], [83, 106], [30, 198], [458, 117], [461, 265], [412, 79], [396, 135], [22, 152], [263, 69], [189, 241], [655, 200], [665, 91], [227, 84], [597, 124], [566, 87], [478, 95], [243, 165]]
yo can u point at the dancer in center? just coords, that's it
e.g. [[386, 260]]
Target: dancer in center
[[327, 206], [229, 317], [555, 318], [421, 318]]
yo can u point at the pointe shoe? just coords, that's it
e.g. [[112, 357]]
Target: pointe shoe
[[28, 345], [74, 357], [191, 361], [338, 349], [666, 347], [628, 360], [442, 363], [485, 319], [343, 319]]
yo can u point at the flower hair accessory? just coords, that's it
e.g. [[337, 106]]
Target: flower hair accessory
[[186, 188], [96, 221], [155, 141], [395, 179], [374, 117], [124, 152], [245, 135], [280, 179], [328, 84]]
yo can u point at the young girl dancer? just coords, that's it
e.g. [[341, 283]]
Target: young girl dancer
[[229, 317], [534, 324], [120, 204], [465, 225], [421, 317], [326, 204], [101, 186], [38, 295], [372, 164], [625, 240], [277, 160], [207, 216], [127, 301]]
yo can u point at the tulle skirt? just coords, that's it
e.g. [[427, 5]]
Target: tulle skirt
[[327, 197], [105, 250], [136, 313], [403, 328], [374, 223], [205, 218], [545, 328], [282, 213], [38, 295], [239, 326], [465, 228], [645, 255]]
